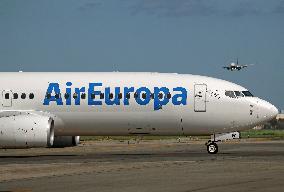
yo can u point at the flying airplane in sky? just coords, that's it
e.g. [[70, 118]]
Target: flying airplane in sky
[[51, 109], [235, 66]]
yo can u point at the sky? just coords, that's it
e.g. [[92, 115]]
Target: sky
[[175, 36]]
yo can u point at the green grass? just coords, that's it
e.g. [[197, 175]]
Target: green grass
[[272, 134]]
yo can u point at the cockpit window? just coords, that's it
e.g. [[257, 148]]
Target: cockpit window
[[230, 94], [247, 94], [239, 94]]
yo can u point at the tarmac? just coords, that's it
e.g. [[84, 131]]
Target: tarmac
[[160, 165]]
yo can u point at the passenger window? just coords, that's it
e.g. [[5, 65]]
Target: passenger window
[[239, 94], [230, 94], [169, 95], [31, 96], [23, 96], [111, 96], [128, 95], [7, 96], [83, 96], [66, 96], [102, 95], [48, 95], [57, 96], [15, 96]]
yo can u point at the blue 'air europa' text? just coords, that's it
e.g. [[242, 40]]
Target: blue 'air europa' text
[[158, 96]]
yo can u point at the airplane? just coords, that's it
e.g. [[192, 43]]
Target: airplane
[[49, 109], [235, 66]]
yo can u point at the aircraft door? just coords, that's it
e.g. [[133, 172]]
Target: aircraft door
[[7, 98], [200, 97]]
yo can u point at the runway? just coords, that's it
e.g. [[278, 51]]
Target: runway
[[168, 166]]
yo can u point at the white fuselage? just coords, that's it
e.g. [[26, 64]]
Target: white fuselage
[[202, 109]]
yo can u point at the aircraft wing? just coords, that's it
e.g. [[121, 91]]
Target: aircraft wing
[[239, 67], [243, 66]]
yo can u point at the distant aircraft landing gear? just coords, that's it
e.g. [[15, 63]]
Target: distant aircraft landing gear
[[212, 147]]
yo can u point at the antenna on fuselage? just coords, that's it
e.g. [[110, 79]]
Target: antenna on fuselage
[[115, 69]]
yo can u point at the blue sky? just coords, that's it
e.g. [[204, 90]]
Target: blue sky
[[183, 36]]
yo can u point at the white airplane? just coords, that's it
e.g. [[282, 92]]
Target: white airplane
[[236, 66], [51, 109]]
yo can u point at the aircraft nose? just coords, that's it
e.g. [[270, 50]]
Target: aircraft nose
[[267, 110], [274, 111]]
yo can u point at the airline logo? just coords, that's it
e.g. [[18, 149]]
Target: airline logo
[[160, 95]]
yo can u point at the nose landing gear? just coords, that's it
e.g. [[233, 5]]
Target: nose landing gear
[[212, 147]]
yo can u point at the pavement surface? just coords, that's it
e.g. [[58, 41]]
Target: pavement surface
[[246, 165]]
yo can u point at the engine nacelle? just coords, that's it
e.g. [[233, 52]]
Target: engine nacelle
[[66, 141], [26, 130]]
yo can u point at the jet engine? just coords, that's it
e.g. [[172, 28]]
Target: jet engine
[[24, 130], [66, 141]]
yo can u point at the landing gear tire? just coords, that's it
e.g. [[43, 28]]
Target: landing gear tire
[[212, 148]]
